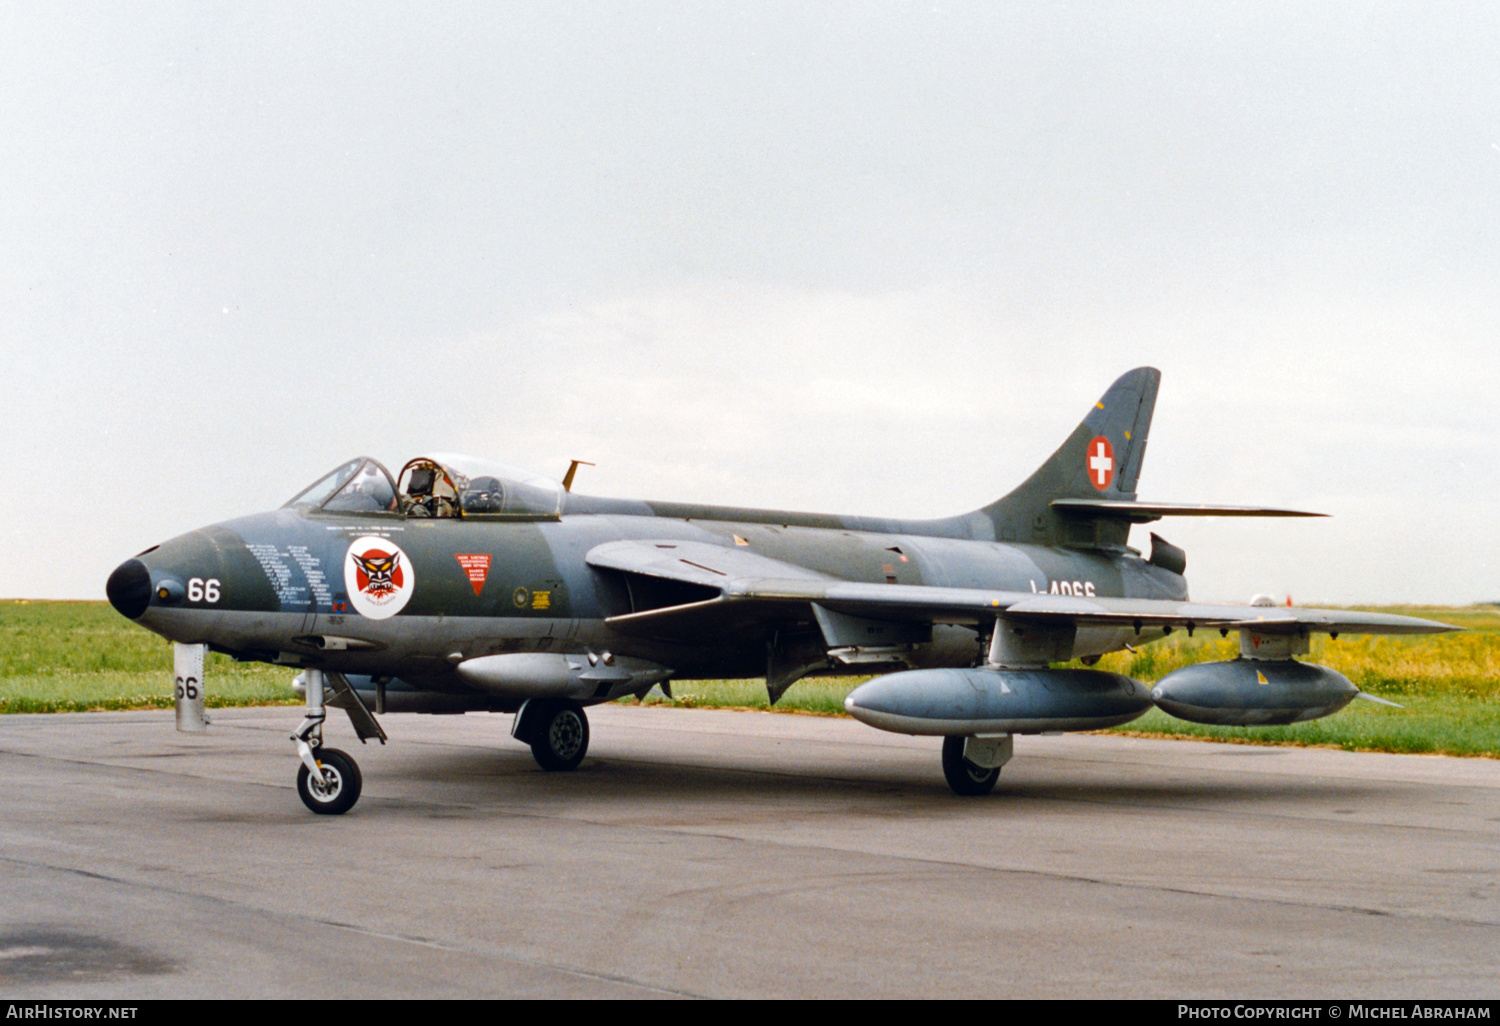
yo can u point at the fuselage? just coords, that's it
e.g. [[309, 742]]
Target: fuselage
[[280, 587]]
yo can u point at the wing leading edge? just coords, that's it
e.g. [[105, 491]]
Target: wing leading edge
[[753, 588]]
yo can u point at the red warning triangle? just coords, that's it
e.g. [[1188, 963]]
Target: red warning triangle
[[477, 566]]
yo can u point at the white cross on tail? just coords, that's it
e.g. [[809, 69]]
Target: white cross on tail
[[1100, 464]]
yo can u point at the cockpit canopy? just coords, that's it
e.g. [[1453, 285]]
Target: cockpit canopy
[[443, 485]]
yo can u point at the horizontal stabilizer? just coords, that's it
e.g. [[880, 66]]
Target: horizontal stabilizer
[[1144, 512]]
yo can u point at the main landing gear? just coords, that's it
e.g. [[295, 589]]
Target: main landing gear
[[557, 731], [972, 764]]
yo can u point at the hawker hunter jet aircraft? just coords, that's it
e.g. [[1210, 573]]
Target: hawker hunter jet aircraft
[[461, 585]]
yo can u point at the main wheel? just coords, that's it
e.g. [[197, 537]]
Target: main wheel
[[963, 776], [561, 737], [337, 791]]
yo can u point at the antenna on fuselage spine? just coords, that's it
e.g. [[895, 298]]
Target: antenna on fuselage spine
[[567, 481]]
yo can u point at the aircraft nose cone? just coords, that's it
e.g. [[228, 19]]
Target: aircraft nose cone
[[129, 588]]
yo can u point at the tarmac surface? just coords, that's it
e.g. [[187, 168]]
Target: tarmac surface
[[733, 854]]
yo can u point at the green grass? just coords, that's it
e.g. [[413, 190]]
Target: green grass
[[1465, 664], [81, 656], [1432, 726], [1449, 686], [823, 696]]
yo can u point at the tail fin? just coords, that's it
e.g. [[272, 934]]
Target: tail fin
[[1100, 460]]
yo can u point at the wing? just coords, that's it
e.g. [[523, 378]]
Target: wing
[[734, 588]]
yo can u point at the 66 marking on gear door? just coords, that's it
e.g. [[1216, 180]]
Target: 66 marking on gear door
[[378, 577]]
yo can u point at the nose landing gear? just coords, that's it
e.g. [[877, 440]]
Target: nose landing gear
[[328, 781]]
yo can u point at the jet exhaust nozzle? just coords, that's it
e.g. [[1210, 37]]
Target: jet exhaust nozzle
[[1167, 556]]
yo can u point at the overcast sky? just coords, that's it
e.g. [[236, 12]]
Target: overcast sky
[[851, 257]]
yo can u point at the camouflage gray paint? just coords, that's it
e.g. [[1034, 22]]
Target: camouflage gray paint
[[282, 596], [1042, 575]]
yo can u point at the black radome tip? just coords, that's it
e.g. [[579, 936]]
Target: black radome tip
[[129, 588]]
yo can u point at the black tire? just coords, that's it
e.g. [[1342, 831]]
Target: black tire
[[963, 776], [561, 736], [340, 787]]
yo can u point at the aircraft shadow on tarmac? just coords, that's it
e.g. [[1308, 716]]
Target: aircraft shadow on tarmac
[[473, 778]]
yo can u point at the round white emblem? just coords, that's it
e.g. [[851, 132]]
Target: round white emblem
[[378, 577]]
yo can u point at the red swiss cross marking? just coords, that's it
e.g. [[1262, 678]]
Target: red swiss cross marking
[[1101, 462]]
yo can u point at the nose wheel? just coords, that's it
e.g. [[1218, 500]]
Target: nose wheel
[[334, 789]]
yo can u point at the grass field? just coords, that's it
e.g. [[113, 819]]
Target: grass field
[[1449, 685], [81, 656], [77, 656]]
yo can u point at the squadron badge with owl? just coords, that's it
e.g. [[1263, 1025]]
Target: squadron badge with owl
[[377, 577]]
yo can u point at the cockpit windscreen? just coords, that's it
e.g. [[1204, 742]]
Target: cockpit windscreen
[[444, 485], [317, 493]]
